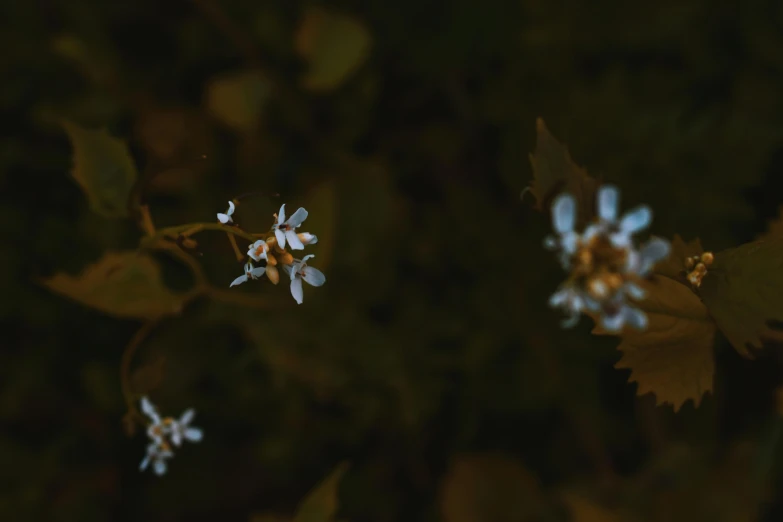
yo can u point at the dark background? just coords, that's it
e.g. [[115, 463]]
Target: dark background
[[431, 340]]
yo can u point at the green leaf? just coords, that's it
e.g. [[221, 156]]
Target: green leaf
[[554, 172], [334, 46], [490, 488], [321, 503], [126, 284], [103, 167], [673, 358], [743, 291], [237, 100]]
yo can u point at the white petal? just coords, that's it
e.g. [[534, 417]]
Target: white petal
[[223, 218], [231, 208], [608, 197], [159, 466], [238, 281], [635, 291], [194, 434], [635, 318], [298, 217], [558, 298], [296, 289], [564, 213], [280, 235], [655, 250], [176, 437], [288, 269], [314, 276], [308, 256], [293, 240], [591, 231], [551, 243], [187, 416], [258, 271], [307, 238], [144, 463], [148, 408], [636, 220], [281, 215], [613, 323], [569, 241]]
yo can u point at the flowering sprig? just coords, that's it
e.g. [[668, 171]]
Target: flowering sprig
[[604, 265], [163, 432]]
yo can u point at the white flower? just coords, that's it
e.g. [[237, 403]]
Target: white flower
[[258, 250], [157, 428], [299, 271], [181, 429], [285, 230], [250, 273], [157, 454], [307, 238], [603, 262], [226, 218]]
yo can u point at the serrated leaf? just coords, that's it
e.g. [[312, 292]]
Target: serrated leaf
[[554, 172], [490, 488], [743, 291], [674, 265], [237, 100], [104, 169], [673, 358], [125, 284], [321, 203], [321, 503], [333, 44]]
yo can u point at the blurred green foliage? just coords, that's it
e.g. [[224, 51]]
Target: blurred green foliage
[[429, 360]]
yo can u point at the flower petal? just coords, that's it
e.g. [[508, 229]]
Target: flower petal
[[564, 213], [287, 269], [293, 240], [149, 409], [176, 437], [144, 463], [231, 208], [281, 215], [314, 276], [569, 241], [308, 256], [193, 434], [298, 217], [608, 197], [636, 220], [159, 466], [187, 416], [223, 218], [653, 251], [635, 291], [635, 318], [296, 289], [307, 238], [280, 235], [238, 281], [613, 323], [257, 272]]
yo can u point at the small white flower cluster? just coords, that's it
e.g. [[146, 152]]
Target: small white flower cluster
[[603, 262], [272, 251], [165, 431]]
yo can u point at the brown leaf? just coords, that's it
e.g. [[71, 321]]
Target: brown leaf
[[743, 290], [489, 488], [672, 358], [125, 284], [554, 172], [674, 265]]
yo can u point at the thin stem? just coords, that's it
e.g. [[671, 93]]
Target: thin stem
[[146, 220], [174, 232], [127, 357], [240, 256]]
